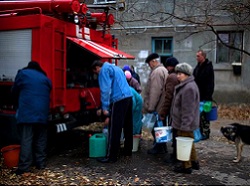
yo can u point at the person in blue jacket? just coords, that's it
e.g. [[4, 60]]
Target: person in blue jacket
[[116, 100], [31, 90]]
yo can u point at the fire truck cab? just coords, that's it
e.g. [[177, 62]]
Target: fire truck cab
[[64, 37]]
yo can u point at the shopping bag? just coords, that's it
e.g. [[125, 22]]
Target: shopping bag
[[148, 121], [197, 135]]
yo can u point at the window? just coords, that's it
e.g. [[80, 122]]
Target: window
[[163, 47], [226, 54], [97, 2]]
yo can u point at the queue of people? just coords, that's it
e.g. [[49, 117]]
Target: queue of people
[[173, 91]]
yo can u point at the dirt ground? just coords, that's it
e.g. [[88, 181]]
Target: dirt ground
[[69, 164]]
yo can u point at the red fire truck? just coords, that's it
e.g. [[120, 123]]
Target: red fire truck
[[65, 37]]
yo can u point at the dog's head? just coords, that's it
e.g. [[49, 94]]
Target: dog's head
[[229, 132]]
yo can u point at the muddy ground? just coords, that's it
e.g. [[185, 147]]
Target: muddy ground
[[69, 163]]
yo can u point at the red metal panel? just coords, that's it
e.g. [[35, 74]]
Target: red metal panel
[[19, 22], [66, 6], [48, 48], [101, 50]]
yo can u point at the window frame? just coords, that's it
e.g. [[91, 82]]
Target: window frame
[[162, 55], [229, 51]]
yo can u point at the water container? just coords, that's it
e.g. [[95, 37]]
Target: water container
[[163, 134], [184, 147], [207, 106], [97, 145], [213, 114], [11, 155], [136, 141]]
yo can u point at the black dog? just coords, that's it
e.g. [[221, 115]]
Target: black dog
[[238, 133]]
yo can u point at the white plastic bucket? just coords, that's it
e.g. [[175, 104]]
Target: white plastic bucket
[[184, 147], [163, 134], [136, 141]]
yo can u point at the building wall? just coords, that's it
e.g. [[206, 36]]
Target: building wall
[[229, 88]]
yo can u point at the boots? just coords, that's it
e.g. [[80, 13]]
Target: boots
[[158, 149]]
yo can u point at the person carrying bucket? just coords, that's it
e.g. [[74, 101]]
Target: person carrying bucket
[[164, 113], [154, 94], [204, 78], [187, 101]]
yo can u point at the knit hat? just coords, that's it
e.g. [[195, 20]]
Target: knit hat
[[127, 74], [151, 57], [171, 61], [184, 68], [126, 68]]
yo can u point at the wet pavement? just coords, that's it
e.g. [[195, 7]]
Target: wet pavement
[[70, 164]]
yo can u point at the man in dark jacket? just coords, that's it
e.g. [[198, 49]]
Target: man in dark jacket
[[204, 78], [164, 113], [32, 91]]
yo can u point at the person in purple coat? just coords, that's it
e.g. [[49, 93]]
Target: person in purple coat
[[185, 112]]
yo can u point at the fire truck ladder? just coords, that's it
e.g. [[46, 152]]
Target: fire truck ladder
[[59, 59]]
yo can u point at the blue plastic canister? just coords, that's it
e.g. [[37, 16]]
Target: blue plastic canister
[[97, 145]]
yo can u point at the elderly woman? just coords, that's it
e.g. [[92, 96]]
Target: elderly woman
[[185, 112]]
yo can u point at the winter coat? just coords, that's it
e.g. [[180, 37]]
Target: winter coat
[[172, 81], [137, 112], [155, 89], [204, 78], [113, 85], [135, 84], [136, 76], [185, 112], [32, 89]]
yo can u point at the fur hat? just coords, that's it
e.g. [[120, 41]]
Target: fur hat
[[151, 57], [171, 61], [184, 68], [127, 74]]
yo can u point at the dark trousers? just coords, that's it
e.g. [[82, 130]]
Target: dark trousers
[[33, 145], [121, 117], [204, 125], [174, 135]]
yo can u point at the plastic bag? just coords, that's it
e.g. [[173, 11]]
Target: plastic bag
[[197, 135], [159, 121], [149, 120]]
